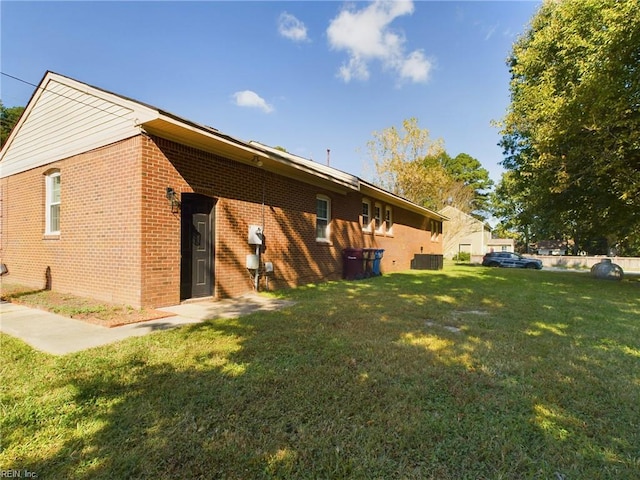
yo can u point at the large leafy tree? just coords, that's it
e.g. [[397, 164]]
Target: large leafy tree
[[469, 171], [396, 155], [572, 132], [409, 163], [8, 118]]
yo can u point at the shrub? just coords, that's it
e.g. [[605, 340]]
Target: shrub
[[462, 257]]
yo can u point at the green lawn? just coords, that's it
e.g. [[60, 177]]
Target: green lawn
[[463, 373]]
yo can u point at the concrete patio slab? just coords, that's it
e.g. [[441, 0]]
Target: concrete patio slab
[[59, 335]]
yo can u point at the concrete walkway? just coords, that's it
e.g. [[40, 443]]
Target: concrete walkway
[[59, 335]]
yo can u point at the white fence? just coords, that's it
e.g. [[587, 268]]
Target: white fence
[[628, 264]]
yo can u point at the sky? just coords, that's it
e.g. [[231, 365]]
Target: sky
[[304, 75]]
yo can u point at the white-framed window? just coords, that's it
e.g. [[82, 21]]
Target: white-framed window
[[388, 218], [52, 203], [377, 216], [435, 230], [323, 218], [366, 215]]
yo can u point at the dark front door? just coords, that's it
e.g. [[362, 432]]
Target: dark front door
[[196, 268]]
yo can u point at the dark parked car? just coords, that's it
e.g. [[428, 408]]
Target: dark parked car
[[510, 260]]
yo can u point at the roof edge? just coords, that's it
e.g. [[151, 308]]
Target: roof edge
[[324, 171], [403, 201]]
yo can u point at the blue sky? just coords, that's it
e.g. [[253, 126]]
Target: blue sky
[[307, 76]]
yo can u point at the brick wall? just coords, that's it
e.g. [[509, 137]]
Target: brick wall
[[97, 253], [120, 240], [249, 195], [410, 235], [246, 195]]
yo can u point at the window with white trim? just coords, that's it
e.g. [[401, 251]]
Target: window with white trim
[[52, 203], [377, 216], [323, 218], [366, 215], [388, 218], [435, 230]]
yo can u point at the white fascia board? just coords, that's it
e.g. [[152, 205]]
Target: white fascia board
[[210, 133], [392, 198], [323, 171]]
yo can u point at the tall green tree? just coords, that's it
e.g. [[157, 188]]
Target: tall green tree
[[409, 163], [572, 131], [469, 171], [9, 116]]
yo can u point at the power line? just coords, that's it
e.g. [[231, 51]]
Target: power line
[[38, 87], [19, 79]]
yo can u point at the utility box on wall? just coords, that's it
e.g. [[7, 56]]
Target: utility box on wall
[[253, 262], [255, 235]]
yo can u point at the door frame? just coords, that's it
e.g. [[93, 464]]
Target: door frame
[[195, 203]]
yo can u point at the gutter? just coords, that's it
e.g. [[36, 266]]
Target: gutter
[[400, 201]]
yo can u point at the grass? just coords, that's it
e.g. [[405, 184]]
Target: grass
[[466, 373], [81, 308]]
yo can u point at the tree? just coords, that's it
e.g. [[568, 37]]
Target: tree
[[395, 153], [9, 116], [410, 164], [572, 131], [469, 171], [508, 202]]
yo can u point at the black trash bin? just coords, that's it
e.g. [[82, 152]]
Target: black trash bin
[[353, 263]]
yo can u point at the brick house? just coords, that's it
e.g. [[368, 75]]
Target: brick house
[[106, 197]]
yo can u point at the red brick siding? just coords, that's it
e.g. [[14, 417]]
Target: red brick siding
[[97, 253], [410, 235], [289, 215], [120, 241], [288, 212]]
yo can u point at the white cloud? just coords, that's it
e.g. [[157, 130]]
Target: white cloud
[[356, 68], [366, 36], [292, 28], [247, 98], [415, 67]]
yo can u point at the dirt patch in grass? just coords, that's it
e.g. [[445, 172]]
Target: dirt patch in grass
[[80, 308]]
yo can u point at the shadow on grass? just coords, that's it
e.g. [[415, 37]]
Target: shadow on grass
[[16, 292], [361, 380]]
